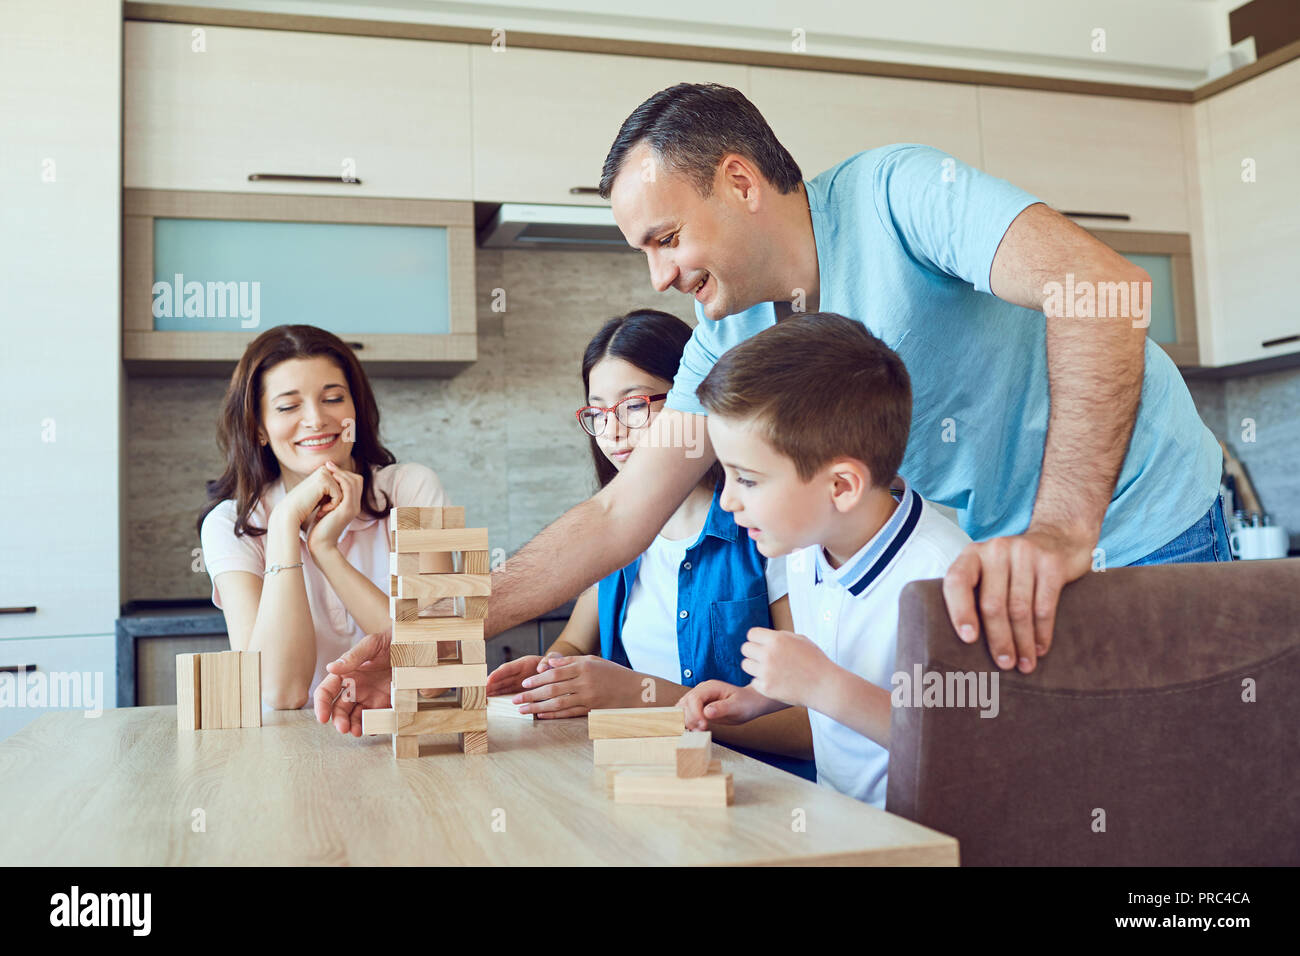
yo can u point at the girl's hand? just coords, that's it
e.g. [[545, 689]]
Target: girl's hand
[[300, 504], [334, 515], [508, 678], [716, 701], [571, 686]]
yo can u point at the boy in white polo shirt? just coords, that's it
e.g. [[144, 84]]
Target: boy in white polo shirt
[[810, 419]]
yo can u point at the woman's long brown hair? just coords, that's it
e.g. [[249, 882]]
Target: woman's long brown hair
[[251, 466]]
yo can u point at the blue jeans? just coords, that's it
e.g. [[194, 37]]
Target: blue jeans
[[1205, 541]]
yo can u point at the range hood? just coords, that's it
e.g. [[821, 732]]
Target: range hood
[[532, 226]]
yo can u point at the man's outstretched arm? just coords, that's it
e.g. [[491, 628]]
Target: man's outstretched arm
[[1095, 368], [605, 532]]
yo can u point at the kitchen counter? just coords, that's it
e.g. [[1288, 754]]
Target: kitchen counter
[[124, 789]]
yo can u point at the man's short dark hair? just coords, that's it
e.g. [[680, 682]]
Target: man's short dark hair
[[691, 126], [818, 387]]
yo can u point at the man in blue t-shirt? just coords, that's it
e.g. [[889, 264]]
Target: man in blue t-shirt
[[1064, 438]]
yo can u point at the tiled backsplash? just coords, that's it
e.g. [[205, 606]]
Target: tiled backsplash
[[1258, 417], [501, 435]]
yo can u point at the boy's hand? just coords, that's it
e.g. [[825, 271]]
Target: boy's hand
[[786, 666], [509, 677], [571, 686], [718, 702]]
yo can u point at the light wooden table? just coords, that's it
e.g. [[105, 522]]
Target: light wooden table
[[121, 789]]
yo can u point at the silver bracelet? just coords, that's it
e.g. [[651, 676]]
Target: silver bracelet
[[276, 568]]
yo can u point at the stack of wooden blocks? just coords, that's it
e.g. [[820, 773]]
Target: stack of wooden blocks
[[435, 557], [649, 757], [219, 691]]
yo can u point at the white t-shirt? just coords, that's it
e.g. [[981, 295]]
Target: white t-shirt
[[649, 631], [364, 543], [851, 613]]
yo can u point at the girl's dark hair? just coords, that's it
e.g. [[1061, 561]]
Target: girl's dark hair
[[651, 340], [251, 466]]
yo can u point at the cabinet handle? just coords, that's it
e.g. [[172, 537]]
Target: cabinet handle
[[584, 190], [293, 178], [1117, 216], [17, 668], [18, 610], [355, 346], [1282, 341]]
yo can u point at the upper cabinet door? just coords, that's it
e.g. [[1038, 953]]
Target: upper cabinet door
[[205, 107], [1250, 178], [544, 120], [1090, 154], [824, 118]]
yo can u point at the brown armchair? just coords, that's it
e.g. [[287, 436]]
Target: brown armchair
[[1139, 720]]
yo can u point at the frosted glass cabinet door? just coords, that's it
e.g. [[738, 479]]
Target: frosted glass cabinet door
[[393, 114], [215, 275]]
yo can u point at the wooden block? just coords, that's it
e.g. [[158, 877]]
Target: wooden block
[[453, 517], [378, 720], [635, 750], [474, 743], [210, 690], [435, 587], [405, 700], [250, 688], [473, 698], [228, 668], [403, 564], [405, 747], [477, 562], [188, 713], [415, 655], [441, 720], [473, 652], [407, 516], [445, 675], [437, 629], [618, 722], [449, 539], [694, 752], [402, 609], [664, 788], [715, 766], [503, 707]]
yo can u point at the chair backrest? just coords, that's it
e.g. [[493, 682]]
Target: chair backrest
[[1162, 728]]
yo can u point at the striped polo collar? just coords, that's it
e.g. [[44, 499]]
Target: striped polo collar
[[857, 574]]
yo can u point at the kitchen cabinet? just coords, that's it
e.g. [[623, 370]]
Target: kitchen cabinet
[[824, 118], [68, 673], [205, 107], [544, 120], [207, 272], [1097, 154], [1248, 160], [59, 235]]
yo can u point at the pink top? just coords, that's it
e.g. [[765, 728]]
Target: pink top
[[364, 543]]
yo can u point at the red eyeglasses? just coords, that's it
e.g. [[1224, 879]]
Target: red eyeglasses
[[633, 412]]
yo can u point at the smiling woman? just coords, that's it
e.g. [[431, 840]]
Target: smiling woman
[[295, 535]]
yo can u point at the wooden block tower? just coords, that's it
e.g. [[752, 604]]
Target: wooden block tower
[[435, 558]]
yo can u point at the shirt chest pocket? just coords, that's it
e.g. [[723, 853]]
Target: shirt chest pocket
[[729, 624]]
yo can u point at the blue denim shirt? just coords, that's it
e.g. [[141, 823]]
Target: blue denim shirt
[[721, 594]]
